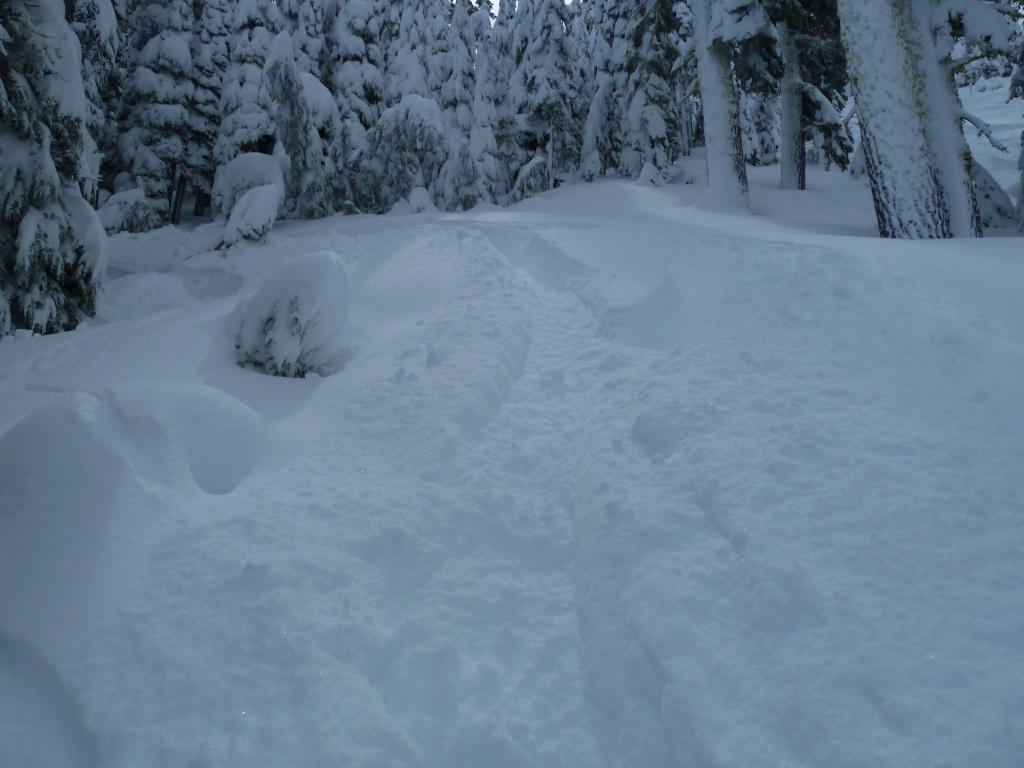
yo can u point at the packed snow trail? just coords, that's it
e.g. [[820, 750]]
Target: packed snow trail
[[604, 481]]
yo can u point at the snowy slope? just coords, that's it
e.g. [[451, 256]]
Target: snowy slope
[[605, 480]]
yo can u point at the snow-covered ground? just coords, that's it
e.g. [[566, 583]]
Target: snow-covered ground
[[605, 480]]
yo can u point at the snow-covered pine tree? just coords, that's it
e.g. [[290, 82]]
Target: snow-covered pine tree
[[908, 196], [505, 137], [310, 38], [604, 136], [581, 85], [756, 73], [337, 168], [52, 248], [305, 186], [210, 63], [718, 27], [408, 149], [246, 123], [154, 135], [759, 119], [483, 5], [438, 13], [684, 75], [304, 22], [95, 24], [357, 64], [486, 104], [547, 126], [461, 184], [398, 154], [410, 66], [653, 134]]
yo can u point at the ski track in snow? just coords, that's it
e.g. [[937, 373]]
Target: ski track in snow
[[588, 492]]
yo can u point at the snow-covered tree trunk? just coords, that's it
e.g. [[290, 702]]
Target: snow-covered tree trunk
[[791, 149], [1020, 194], [945, 129], [727, 171], [905, 186]]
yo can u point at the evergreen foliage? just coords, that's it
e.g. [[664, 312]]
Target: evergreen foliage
[[52, 248]]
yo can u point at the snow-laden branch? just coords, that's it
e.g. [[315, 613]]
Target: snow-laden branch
[[984, 129], [827, 114]]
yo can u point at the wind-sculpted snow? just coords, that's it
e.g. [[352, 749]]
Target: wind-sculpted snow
[[604, 481]]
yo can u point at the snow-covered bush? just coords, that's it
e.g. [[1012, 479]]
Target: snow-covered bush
[[245, 172], [131, 211], [292, 326], [253, 215]]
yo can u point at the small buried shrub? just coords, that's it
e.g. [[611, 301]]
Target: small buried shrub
[[293, 325]]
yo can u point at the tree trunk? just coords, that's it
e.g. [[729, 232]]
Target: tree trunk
[[727, 170], [945, 127], [791, 101], [905, 185], [1020, 194], [685, 141]]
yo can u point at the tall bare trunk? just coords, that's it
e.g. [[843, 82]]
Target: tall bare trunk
[[791, 152]]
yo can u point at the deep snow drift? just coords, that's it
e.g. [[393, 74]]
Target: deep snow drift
[[605, 480]]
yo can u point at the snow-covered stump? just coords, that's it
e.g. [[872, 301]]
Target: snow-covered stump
[[292, 326], [905, 186]]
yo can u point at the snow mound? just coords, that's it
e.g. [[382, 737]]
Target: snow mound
[[131, 211], [420, 202], [662, 431], [246, 172], [292, 326], [61, 474], [253, 215], [70, 469], [650, 175], [180, 432]]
